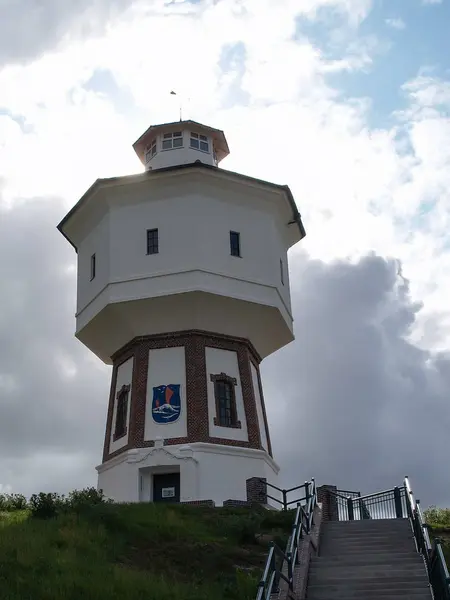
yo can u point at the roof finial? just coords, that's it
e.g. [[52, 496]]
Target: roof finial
[[172, 93]]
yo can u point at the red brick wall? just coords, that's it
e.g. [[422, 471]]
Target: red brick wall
[[194, 343]]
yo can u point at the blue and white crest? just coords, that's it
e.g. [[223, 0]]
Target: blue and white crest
[[166, 405]]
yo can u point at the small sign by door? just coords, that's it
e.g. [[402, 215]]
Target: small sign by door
[[166, 486], [168, 492]]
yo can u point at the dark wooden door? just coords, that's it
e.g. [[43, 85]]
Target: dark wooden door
[[166, 487]]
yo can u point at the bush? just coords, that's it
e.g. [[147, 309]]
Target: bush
[[12, 502], [80, 499], [437, 517], [47, 505]]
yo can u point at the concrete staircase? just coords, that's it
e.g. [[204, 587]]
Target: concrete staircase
[[367, 559]]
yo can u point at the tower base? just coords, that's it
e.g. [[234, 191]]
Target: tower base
[[184, 473]]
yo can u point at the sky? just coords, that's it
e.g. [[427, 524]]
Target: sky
[[347, 102]]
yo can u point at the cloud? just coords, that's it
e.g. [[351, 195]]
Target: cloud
[[48, 23], [350, 401], [395, 23], [52, 392]]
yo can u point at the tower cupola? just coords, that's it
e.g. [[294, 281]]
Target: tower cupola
[[179, 143]]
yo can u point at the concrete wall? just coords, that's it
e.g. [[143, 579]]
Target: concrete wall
[[224, 361], [166, 366], [96, 242], [124, 377], [207, 472], [194, 219]]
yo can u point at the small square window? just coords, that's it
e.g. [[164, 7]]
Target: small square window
[[93, 265], [235, 243], [152, 241]]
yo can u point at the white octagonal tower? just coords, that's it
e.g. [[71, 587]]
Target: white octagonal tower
[[183, 287]]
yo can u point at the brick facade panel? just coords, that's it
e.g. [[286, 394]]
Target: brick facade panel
[[194, 343]]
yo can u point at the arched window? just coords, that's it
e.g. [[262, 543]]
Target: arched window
[[121, 412], [226, 412]]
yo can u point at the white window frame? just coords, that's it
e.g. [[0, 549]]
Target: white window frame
[[151, 151], [201, 139], [170, 137]]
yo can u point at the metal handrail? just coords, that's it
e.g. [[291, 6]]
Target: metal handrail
[[285, 492], [438, 574], [303, 522]]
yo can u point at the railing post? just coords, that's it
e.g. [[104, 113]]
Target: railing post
[[307, 494], [276, 581], [284, 499], [398, 503], [351, 515]]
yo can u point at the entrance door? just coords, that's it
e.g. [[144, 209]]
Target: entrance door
[[166, 487]]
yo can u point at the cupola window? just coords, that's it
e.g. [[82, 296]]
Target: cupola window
[[151, 151], [199, 142], [172, 140]]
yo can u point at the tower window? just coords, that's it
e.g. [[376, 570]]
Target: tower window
[[281, 272], [235, 243], [152, 241], [225, 397], [199, 142], [151, 151], [172, 140], [92, 267], [121, 412]]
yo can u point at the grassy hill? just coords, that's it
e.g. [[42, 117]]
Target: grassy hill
[[137, 551]]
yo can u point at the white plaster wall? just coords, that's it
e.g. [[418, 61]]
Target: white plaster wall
[[96, 242], [191, 217], [124, 377], [223, 474], [225, 361], [120, 482], [259, 411], [166, 366], [207, 472]]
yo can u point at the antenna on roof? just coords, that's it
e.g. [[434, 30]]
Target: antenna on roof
[[172, 93]]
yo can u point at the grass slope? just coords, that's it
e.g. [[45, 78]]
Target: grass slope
[[138, 551]]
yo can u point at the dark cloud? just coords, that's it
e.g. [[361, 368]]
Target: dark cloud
[[30, 27], [352, 401], [53, 394]]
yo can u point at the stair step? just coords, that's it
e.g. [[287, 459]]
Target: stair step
[[381, 579], [416, 595], [368, 571], [364, 591], [369, 557], [363, 535], [367, 526]]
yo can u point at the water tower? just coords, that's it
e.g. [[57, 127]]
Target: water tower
[[183, 287]]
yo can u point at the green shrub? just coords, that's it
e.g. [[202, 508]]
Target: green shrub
[[437, 517], [12, 502], [80, 499], [47, 505]]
